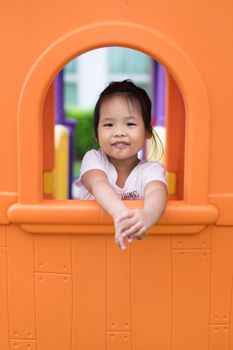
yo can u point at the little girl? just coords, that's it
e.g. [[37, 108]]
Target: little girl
[[122, 124]]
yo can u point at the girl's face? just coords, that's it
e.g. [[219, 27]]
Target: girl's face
[[121, 131]]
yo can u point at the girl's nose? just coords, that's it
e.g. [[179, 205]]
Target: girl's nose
[[119, 132]]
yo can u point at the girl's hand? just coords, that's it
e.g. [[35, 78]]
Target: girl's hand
[[136, 223], [133, 224], [119, 239]]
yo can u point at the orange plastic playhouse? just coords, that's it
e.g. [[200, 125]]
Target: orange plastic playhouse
[[64, 285]]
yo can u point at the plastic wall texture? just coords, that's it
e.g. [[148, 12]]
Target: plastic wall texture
[[64, 285]]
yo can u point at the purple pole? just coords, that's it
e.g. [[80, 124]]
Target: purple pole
[[154, 91], [161, 89], [59, 98]]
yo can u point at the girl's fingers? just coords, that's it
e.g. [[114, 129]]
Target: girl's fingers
[[125, 224], [129, 239], [124, 216], [129, 226], [133, 230], [139, 235], [120, 241]]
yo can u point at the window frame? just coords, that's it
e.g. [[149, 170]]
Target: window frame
[[31, 209]]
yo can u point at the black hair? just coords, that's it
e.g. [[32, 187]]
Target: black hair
[[130, 92]]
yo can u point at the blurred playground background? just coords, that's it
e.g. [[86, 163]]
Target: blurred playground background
[[77, 87]]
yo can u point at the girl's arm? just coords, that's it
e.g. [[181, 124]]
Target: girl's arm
[[136, 223], [96, 182]]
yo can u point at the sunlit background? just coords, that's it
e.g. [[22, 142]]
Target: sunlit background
[[77, 88], [87, 75]]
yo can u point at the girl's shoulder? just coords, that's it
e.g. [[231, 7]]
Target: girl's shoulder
[[152, 165], [94, 159], [94, 155], [152, 170]]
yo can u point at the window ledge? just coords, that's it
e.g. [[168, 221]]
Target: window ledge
[[74, 216]]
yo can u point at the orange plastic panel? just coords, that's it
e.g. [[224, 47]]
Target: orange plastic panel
[[119, 340], [175, 134], [21, 296], [178, 290], [151, 293], [89, 290], [23, 344], [52, 253], [3, 235], [224, 203], [4, 342], [190, 299], [219, 337], [231, 324], [48, 120], [54, 311], [118, 288], [221, 275], [199, 241], [89, 213], [6, 199], [109, 229]]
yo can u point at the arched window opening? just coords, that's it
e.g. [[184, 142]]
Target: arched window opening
[[68, 108]]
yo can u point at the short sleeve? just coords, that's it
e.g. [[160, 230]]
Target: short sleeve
[[93, 159], [153, 171]]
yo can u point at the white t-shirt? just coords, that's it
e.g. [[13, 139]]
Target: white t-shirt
[[142, 174]]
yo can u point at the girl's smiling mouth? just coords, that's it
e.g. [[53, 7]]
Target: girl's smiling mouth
[[120, 144]]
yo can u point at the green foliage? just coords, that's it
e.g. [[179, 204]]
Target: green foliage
[[84, 133]]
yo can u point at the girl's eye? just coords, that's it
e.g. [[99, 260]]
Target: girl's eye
[[131, 124], [108, 125]]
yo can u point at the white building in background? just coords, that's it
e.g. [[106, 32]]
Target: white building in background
[[87, 75]]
